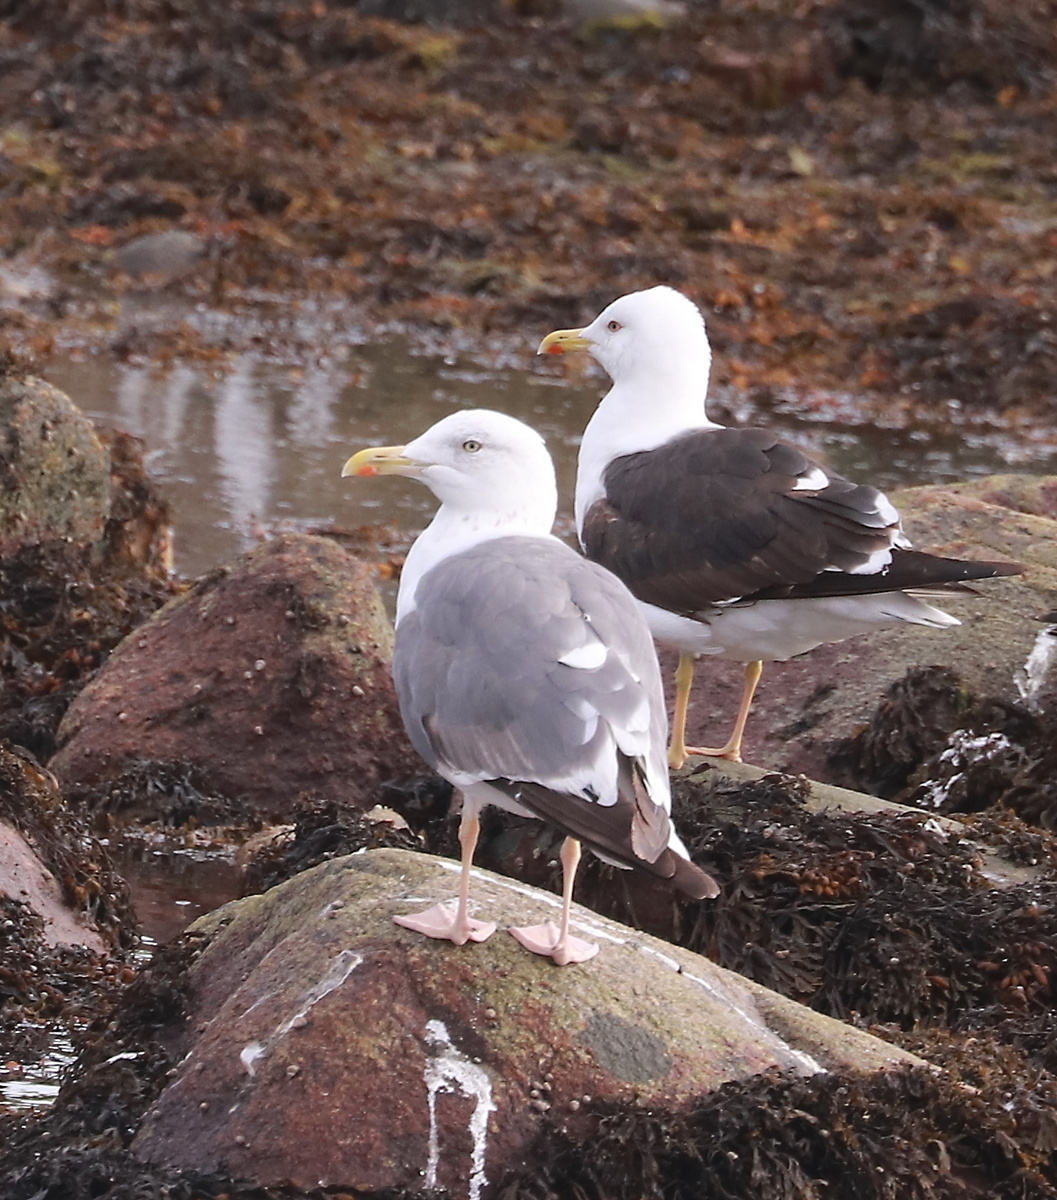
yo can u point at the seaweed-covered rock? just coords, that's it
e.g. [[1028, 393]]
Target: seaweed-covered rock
[[65, 916], [325, 1046], [268, 679], [806, 707], [54, 471], [50, 865]]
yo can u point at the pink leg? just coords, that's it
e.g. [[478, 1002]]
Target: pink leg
[[547, 939], [439, 921]]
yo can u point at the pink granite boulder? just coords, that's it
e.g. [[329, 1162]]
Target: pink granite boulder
[[324, 1047], [266, 680]]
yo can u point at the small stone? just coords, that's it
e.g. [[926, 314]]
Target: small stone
[[169, 252], [122, 716], [240, 1139], [259, 665], [292, 1070], [229, 620], [357, 690], [259, 730], [299, 1022], [204, 1105], [574, 1105], [247, 674]]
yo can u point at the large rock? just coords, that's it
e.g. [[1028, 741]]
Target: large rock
[[806, 706], [268, 679], [54, 471], [325, 1047]]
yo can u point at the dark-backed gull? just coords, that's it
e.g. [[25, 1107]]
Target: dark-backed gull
[[736, 543]]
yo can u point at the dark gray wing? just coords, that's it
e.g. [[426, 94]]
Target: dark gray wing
[[722, 514]]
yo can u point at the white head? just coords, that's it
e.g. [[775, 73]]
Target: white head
[[480, 464], [654, 339]]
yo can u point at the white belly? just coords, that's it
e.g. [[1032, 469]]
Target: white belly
[[774, 630]]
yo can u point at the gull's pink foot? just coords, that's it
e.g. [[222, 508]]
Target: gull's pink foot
[[441, 921], [546, 939]]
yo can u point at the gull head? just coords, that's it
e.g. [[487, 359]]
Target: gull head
[[658, 333], [476, 462]]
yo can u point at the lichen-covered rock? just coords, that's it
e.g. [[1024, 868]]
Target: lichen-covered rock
[[806, 706], [325, 1047], [268, 679], [54, 471]]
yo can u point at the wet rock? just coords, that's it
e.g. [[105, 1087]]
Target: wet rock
[[54, 472], [806, 707], [170, 253], [325, 1047], [267, 680]]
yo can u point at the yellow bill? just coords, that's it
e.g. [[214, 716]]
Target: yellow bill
[[379, 460], [563, 341]]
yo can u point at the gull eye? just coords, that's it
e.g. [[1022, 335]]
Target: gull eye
[[471, 445], [614, 326]]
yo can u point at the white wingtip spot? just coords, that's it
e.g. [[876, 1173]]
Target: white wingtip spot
[[814, 479], [586, 658], [876, 562]]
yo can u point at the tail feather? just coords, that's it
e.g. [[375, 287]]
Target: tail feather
[[607, 830]]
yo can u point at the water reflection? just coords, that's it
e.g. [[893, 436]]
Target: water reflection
[[244, 447], [262, 443], [33, 1085]]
